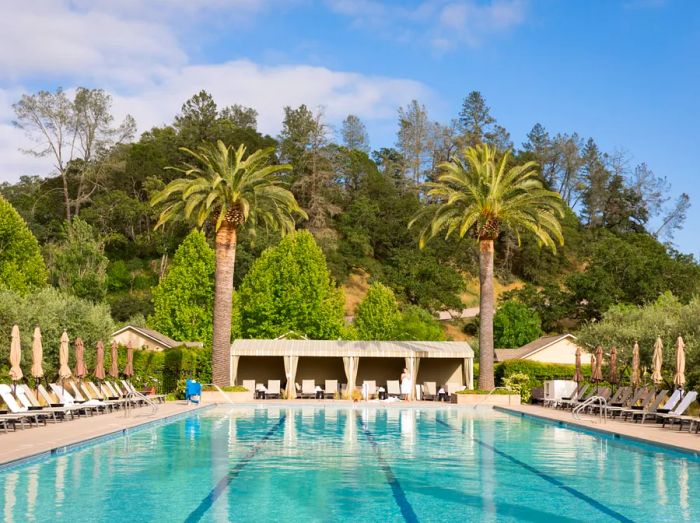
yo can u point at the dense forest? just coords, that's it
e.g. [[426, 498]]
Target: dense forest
[[94, 222]]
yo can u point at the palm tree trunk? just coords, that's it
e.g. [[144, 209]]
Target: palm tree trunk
[[486, 380], [223, 293]]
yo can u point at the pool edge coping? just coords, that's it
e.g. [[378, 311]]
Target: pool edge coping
[[609, 433], [95, 440]]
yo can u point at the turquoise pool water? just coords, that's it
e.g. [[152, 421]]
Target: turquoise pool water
[[310, 464]]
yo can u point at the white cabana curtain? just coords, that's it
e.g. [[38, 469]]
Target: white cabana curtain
[[351, 363], [290, 369], [469, 373], [412, 364], [234, 369]]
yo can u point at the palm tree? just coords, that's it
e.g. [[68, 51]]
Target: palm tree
[[231, 192], [482, 197]]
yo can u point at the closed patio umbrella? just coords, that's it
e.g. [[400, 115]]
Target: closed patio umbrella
[[129, 369], [656, 361], [679, 378], [37, 356], [114, 367], [578, 375], [635, 378], [63, 370], [613, 378], [80, 369], [100, 361], [15, 356], [597, 370]]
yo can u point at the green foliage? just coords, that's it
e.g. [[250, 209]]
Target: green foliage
[[77, 263], [53, 311], [515, 324], [549, 302], [377, 315], [289, 288], [666, 317], [519, 383], [183, 300], [418, 324], [21, 265], [536, 371]]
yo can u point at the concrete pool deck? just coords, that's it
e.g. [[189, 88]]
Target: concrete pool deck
[[650, 432], [34, 441]]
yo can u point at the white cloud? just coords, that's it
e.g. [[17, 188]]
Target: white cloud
[[443, 24]]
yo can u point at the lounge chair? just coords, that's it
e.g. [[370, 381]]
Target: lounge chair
[[393, 388], [619, 398], [273, 389], [652, 408], [19, 412], [308, 388], [371, 388], [27, 399], [429, 390], [639, 402], [671, 403], [331, 388], [130, 387], [570, 401], [677, 414], [69, 401], [452, 388]]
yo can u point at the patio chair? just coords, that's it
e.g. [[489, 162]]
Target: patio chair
[[69, 401], [17, 411], [652, 408], [308, 388], [677, 414], [393, 388], [371, 387], [27, 399], [620, 396], [640, 401], [671, 403], [331, 388], [160, 398], [273, 389], [570, 401], [429, 390], [452, 388], [250, 386]]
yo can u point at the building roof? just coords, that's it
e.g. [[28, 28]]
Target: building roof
[[530, 348], [159, 338], [340, 348]]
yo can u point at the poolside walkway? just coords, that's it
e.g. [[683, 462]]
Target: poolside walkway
[[37, 440], [647, 433]]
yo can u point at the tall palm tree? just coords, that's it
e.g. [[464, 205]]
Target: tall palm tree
[[232, 192], [482, 197]]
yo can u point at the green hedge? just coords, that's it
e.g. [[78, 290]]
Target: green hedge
[[537, 371], [165, 370]]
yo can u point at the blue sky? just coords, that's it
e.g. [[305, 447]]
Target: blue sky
[[624, 73]]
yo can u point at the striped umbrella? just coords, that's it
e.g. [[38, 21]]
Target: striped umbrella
[[635, 378], [656, 361], [679, 378]]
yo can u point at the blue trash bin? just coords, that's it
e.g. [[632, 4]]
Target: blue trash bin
[[193, 391]]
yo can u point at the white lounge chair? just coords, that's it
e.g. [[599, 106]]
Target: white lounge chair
[[452, 388], [393, 388], [331, 388], [273, 388], [677, 414], [18, 412], [429, 390], [308, 388], [370, 388]]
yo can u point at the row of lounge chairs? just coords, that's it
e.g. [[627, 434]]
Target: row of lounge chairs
[[331, 389], [64, 401], [637, 405]]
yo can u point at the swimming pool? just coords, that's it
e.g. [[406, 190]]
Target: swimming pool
[[326, 463]]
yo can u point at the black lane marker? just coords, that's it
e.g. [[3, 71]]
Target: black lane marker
[[396, 489], [224, 482], [551, 479]]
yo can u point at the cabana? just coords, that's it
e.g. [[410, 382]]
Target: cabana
[[351, 362]]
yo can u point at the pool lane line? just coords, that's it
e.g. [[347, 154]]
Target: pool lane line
[[399, 495], [551, 479], [224, 482]]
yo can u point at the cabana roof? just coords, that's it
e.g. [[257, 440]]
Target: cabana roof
[[340, 348]]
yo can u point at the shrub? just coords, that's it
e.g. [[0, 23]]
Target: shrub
[[21, 265], [377, 315], [536, 371], [418, 324], [518, 383], [515, 324]]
